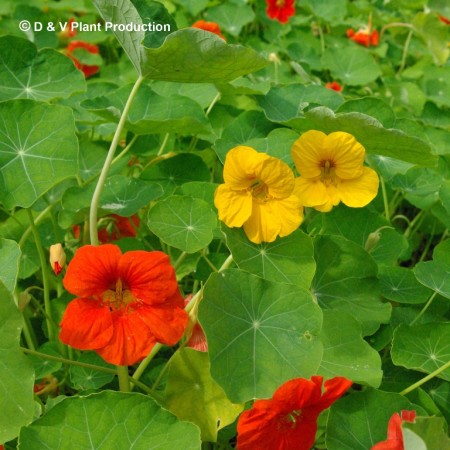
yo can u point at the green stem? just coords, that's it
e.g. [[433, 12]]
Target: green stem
[[427, 305], [122, 374], [93, 227], [393, 25], [405, 52], [417, 220], [211, 105], [28, 334], [179, 260], [163, 145], [425, 379], [45, 275], [37, 221], [125, 150], [385, 200]]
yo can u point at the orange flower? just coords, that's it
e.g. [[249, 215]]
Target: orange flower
[[212, 27], [68, 32], [126, 303], [289, 419], [334, 85], [363, 36], [194, 331], [280, 10], [394, 439], [444, 20], [119, 227], [57, 258], [91, 48]]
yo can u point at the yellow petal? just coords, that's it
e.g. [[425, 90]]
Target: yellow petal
[[360, 191], [242, 166], [291, 213], [235, 207], [311, 192], [262, 225], [346, 153], [278, 177], [308, 152]]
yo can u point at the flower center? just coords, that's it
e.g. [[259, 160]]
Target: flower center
[[327, 175], [260, 191], [118, 298], [280, 3], [291, 420]]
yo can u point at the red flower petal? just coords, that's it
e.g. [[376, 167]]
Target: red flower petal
[[91, 48], [93, 270], [131, 340], [212, 27], [280, 11], [150, 277], [86, 325]]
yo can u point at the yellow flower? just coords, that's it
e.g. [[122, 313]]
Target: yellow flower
[[332, 171], [258, 194]]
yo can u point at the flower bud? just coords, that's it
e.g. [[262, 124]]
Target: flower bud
[[57, 258]]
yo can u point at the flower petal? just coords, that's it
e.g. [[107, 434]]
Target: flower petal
[[346, 153], [311, 192], [149, 276], [235, 207], [165, 322], [86, 325], [360, 191], [92, 270], [263, 225], [278, 177], [307, 153], [131, 340], [242, 167]]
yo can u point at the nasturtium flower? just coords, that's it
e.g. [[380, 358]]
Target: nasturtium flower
[[212, 27], [57, 258], [280, 10], [118, 227], [364, 36], [331, 171], [125, 303], [258, 194], [288, 420], [334, 85], [88, 70], [394, 439]]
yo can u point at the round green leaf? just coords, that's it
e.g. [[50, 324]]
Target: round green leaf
[[17, 406], [424, 348], [354, 66], [345, 280], [346, 353], [43, 76], [287, 260], [109, 420], [260, 334], [38, 149], [360, 420], [231, 16], [194, 396], [84, 378], [183, 222]]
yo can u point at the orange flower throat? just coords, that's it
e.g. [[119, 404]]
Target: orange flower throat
[[280, 3], [327, 175], [260, 191], [118, 298]]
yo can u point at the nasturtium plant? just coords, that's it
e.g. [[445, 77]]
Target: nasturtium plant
[[224, 225]]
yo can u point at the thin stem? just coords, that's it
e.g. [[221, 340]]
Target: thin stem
[[45, 275], [425, 379], [163, 145], [211, 105], [393, 25], [179, 260], [385, 199], [28, 334], [405, 52], [122, 374], [93, 227], [125, 150], [427, 305], [417, 220], [37, 220]]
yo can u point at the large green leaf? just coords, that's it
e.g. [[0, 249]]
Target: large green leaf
[[371, 134], [183, 222], [17, 406], [360, 420], [424, 348], [38, 149], [192, 395], [109, 420], [351, 65], [435, 274], [260, 334], [287, 260], [433, 431], [151, 113], [25, 73], [345, 280], [187, 55], [9, 263], [346, 353], [84, 378]]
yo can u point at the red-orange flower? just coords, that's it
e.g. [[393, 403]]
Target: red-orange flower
[[194, 331], [363, 36], [126, 303], [289, 419], [280, 10], [68, 31], [444, 20], [334, 85], [394, 439], [91, 48], [212, 27], [119, 227]]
